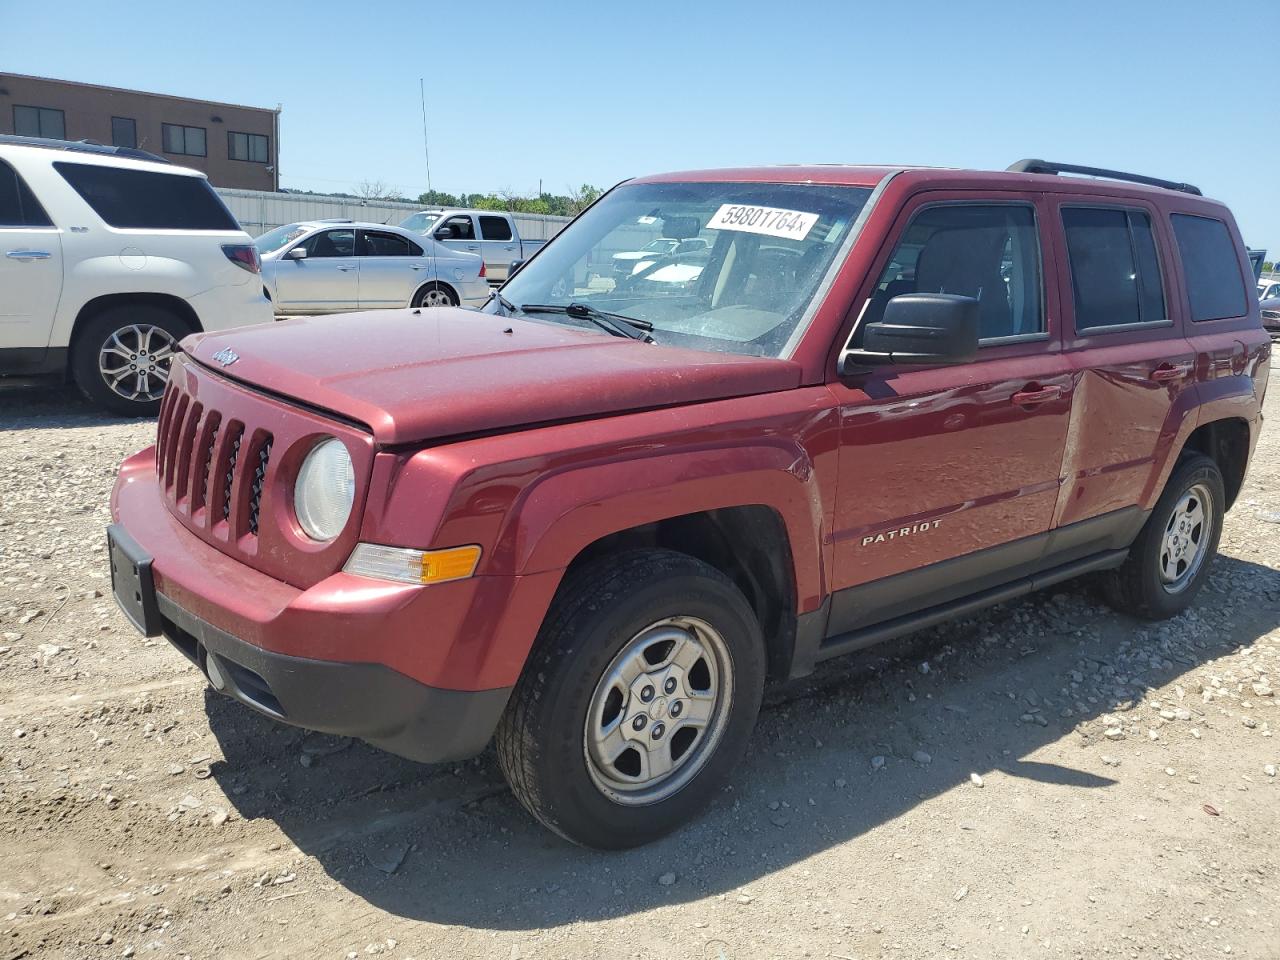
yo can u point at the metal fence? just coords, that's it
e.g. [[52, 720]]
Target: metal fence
[[260, 211]]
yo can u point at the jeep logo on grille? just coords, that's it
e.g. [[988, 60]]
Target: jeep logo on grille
[[226, 356]]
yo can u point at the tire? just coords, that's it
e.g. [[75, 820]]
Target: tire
[[1143, 586], [435, 295], [575, 678], [119, 341]]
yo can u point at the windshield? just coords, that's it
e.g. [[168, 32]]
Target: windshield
[[715, 266], [420, 222], [273, 240]]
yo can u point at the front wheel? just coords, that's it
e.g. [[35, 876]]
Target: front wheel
[[1169, 561], [637, 701], [435, 295], [121, 358]]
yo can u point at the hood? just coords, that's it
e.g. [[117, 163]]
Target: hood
[[413, 376]]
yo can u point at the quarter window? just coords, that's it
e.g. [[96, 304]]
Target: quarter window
[[1215, 288], [495, 228], [18, 205], [141, 199], [248, 146], [331, 243], [990, 252], [124, 132], [1115, 269], [187, 141], [39, 122]]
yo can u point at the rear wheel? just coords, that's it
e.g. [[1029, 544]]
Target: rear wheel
[[638, 699], [121, 357], [1169, 561], [435, 295]]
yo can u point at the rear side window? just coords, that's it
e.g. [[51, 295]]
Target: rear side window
[[143, 200], [1214, 285], [495, 228], [386, 245], [18, 205], [1115, 270]]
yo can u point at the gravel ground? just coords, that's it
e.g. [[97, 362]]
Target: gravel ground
[[1048, 779]]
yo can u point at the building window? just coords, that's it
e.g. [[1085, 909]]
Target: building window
[[39, 122], [124, 132], [188, 141], [248, 146]]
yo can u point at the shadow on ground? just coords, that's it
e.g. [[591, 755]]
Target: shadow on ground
[[449, 844], [50, 407]]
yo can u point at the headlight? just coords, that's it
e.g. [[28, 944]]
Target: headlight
[[324, 490]]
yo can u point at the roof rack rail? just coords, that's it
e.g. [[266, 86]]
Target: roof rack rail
[[1044, 166], [81, 146]]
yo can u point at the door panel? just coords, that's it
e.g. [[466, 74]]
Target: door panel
[[1123, 335], [465, 235], [31, 278], [940, 463], [498, 246], [327, 280], [389, 270]]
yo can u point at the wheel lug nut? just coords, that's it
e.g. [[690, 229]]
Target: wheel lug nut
[[647, 693], [639, 722], [670, 685], [677, 708], [658, 730]]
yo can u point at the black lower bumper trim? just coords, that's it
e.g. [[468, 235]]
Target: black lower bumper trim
[[365, 700]]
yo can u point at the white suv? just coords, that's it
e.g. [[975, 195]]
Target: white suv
[[108, 257]]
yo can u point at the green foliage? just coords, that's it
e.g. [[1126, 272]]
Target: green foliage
[[567, 205]]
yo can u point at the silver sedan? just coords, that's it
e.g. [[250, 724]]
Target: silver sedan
[[328, 266]]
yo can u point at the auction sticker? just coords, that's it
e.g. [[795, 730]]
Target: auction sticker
[[770, 221]]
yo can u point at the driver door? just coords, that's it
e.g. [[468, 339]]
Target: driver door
[[949, 475], [326, 280]]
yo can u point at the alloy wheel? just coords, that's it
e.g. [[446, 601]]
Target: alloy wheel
[[1186, 538], [134, 361]]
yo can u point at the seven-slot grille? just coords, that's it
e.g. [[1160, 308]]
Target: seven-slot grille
[[200, 457]]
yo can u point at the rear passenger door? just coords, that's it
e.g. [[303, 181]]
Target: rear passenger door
[[497, 246], [391, 267], [948, 476], [1123, 333]]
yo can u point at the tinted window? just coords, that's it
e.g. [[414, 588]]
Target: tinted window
[[988, 252], [18, 206], [39, 122], [141, 199], [331, 243], [124, 132], [457, 228], [495, 228], [247, 146], [1214, 285], [188, 141], [386, 245], [1115, 270]]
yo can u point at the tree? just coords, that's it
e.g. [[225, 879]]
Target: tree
[[377, 190], [582, 198]]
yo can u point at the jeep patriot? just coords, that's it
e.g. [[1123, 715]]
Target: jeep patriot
[[589, 522]]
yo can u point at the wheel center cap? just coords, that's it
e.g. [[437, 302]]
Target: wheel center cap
[[657, 708]]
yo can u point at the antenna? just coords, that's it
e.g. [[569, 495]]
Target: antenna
[[426, 154]]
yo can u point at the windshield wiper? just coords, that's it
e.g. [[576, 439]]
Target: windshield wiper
[[614, 323], [506, 304]]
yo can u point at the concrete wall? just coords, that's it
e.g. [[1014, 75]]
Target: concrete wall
[[87, 111]]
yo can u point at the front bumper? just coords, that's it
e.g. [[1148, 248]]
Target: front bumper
[[364, 700]]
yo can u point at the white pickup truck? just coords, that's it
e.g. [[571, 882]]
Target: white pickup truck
[[490, 233]]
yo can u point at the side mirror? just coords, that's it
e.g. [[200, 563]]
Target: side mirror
[[923, 329], [444, 233], [297, 253], [515, 265]]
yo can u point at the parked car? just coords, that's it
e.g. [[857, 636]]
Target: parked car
[[590, 525], [660, 252], [1268, 289], [110, 257], [335, 266], [1270, 310], [491, 234]]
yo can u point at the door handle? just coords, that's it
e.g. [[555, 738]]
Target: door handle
[[1168, 372], [416, 266], [28, 255], [510, 248], [1027, 398], [345, 269], [472, 246]]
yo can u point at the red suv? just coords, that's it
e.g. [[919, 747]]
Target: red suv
[[590, 521]]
